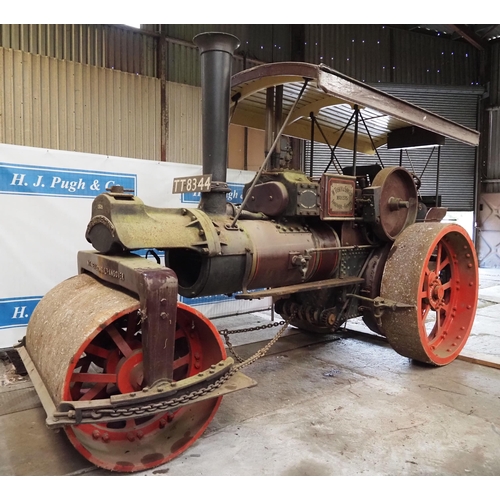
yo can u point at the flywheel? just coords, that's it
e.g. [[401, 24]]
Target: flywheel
[[398, 205], [85, 340], [432, 274]]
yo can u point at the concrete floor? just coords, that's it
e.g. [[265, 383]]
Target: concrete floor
[[343, 404]]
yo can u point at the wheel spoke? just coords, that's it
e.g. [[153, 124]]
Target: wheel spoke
[[96, 378], [443, 264], [119, 340], [95, 350], [181, 361], [438, 257], [83, 363], [426, 312], [93, 392]]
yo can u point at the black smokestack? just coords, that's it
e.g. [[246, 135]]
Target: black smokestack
[[216, 54]]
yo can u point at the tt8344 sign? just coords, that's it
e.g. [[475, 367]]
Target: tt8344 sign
[[192, 184]]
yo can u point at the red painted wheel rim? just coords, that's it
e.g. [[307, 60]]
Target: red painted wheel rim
[[110, 362], [447, 299]]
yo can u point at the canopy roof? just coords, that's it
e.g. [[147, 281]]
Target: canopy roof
[[331, 96]]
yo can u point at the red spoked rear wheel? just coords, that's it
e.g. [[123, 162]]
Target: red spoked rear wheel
[[432, 267]]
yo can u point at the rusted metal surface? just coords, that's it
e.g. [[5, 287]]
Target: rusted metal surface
[[270, 198], [156, 287], [41, 390], [371, 288], [216, 55], [330, 96], [397, 202], [433, 267], [58, 329], [63, 342], [305, 287]]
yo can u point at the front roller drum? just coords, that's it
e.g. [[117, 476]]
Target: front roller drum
[[432, 275], [85, 340]]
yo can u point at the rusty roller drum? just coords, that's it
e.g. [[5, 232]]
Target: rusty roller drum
[[432, 267], [85, 341]]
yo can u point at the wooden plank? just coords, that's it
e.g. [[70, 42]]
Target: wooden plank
[[480, 359]]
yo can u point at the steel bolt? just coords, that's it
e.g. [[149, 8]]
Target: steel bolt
[[105, 437], [96, 434], [140, 434], [184, 211], [469, 265], [130, 436], [197, 365], [170, 417], [197, 355], [469, 307], [162, 423]]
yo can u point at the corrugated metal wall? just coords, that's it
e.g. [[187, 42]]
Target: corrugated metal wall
[[491, 174], [103, 45], [58, 104], [262, 42], [378, 54], [491, 171], [495, 74], [457, 161], [184, 112]]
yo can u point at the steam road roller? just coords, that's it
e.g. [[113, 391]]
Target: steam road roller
[[134, 377]]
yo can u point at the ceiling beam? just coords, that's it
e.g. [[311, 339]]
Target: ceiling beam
[[466, 33]]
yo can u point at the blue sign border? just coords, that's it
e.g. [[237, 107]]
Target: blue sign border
[[84, 183]]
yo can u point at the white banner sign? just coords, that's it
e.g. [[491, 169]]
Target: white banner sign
[[45, 202]]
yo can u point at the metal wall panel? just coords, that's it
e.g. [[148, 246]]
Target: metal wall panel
[[263, 42], [183, 63], [491, 174], [378, 54], [184, 112], [495, 74], [58, 104], [103, 45], [488, 222], [457, 161]]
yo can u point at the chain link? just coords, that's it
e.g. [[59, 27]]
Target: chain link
[[174, 403]]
